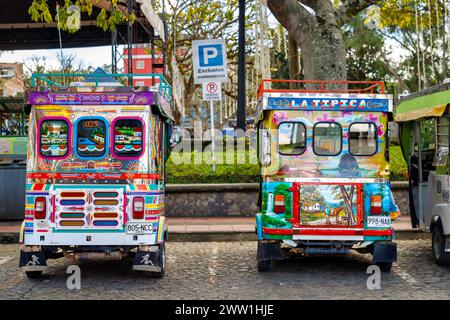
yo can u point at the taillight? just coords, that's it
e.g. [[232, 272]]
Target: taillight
[[138, 208], [278, 204], [40, 207], [375, 205]]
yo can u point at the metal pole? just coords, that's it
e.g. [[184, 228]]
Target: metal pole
[[213, 140], [129, 43], [241, 123]]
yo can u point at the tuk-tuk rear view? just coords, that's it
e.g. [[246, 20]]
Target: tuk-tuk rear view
[[95, 172], [324, 159]]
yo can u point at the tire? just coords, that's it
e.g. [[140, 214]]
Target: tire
[[441, 257], [264, 265], [162, 258], [385, 266], [34, 274]]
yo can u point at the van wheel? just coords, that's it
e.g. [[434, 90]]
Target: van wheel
[[34, 274], [441, 257], [264, 265], [385, 266], [162, 258]]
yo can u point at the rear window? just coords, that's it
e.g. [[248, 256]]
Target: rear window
[[91, 138], [291, 138], [362, 139], [128, 137], [327, 139], [54, 138]]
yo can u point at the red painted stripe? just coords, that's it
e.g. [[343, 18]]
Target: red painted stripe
[[124, 210], [83, 176], [52, 217], [277, 231], [378, 232], [37, 186]]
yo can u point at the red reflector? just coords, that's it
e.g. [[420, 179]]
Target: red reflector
[[40, 207], [375, 205], [138, 208], [278, 204]]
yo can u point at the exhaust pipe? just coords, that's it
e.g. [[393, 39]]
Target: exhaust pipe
[[103, 256]]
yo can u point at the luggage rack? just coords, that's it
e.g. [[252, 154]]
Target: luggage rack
[[163, 87], [323, 86]]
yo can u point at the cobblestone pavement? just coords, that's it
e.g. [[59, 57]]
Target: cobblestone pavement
[[227, 270]]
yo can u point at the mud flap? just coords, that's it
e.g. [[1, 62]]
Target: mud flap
[[269, 251], [148, 260], [384, 251], [32, 261]]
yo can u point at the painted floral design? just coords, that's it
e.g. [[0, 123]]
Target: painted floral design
[[325, 118]]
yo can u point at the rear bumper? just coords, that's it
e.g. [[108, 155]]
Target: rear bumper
[[89, 239], [99, 237]]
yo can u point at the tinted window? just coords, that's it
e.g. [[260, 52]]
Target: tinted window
[[128, 137], [54, 138], [91, 138], [327, 139], [363, 139], [291, 138]]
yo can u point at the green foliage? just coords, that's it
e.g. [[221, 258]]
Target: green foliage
[[274, 222], [39, 11], [202, 173], [280, 69], [397, 164], [365, 52]]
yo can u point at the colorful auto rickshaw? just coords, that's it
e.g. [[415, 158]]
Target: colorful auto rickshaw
[[323, 151], [95, 172]]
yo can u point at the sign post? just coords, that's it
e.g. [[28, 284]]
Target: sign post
[[212, 91], [210, 70]]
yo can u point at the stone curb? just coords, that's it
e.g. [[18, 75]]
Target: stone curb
[[211, 187], [8, 238], [235, 187]]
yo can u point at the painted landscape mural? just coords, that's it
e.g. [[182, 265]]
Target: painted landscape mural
[[328, 205]]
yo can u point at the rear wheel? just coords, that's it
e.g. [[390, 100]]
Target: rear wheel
[[441, 257], [385, 266], [162, 259], [33, 274], [264, 265]]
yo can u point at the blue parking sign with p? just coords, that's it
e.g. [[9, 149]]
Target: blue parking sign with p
[[210, 55], [209, 59]]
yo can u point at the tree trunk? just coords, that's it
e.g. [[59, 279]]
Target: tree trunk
[[348, 203], [294, 68], [318, 35]]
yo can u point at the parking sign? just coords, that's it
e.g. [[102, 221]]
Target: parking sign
[[210, 60]]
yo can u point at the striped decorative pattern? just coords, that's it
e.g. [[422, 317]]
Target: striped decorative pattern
[[89, 209]]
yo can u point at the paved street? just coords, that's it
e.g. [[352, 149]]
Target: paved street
[[227, 270]]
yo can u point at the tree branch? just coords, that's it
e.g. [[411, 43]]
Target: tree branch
[[290, 13], [350, 8]]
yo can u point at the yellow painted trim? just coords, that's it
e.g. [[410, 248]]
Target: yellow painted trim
[[434, 111], [154, 206], [22, 232], [161, 228]]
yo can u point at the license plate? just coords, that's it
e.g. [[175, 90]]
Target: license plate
[[138, 228], [379, 222]]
